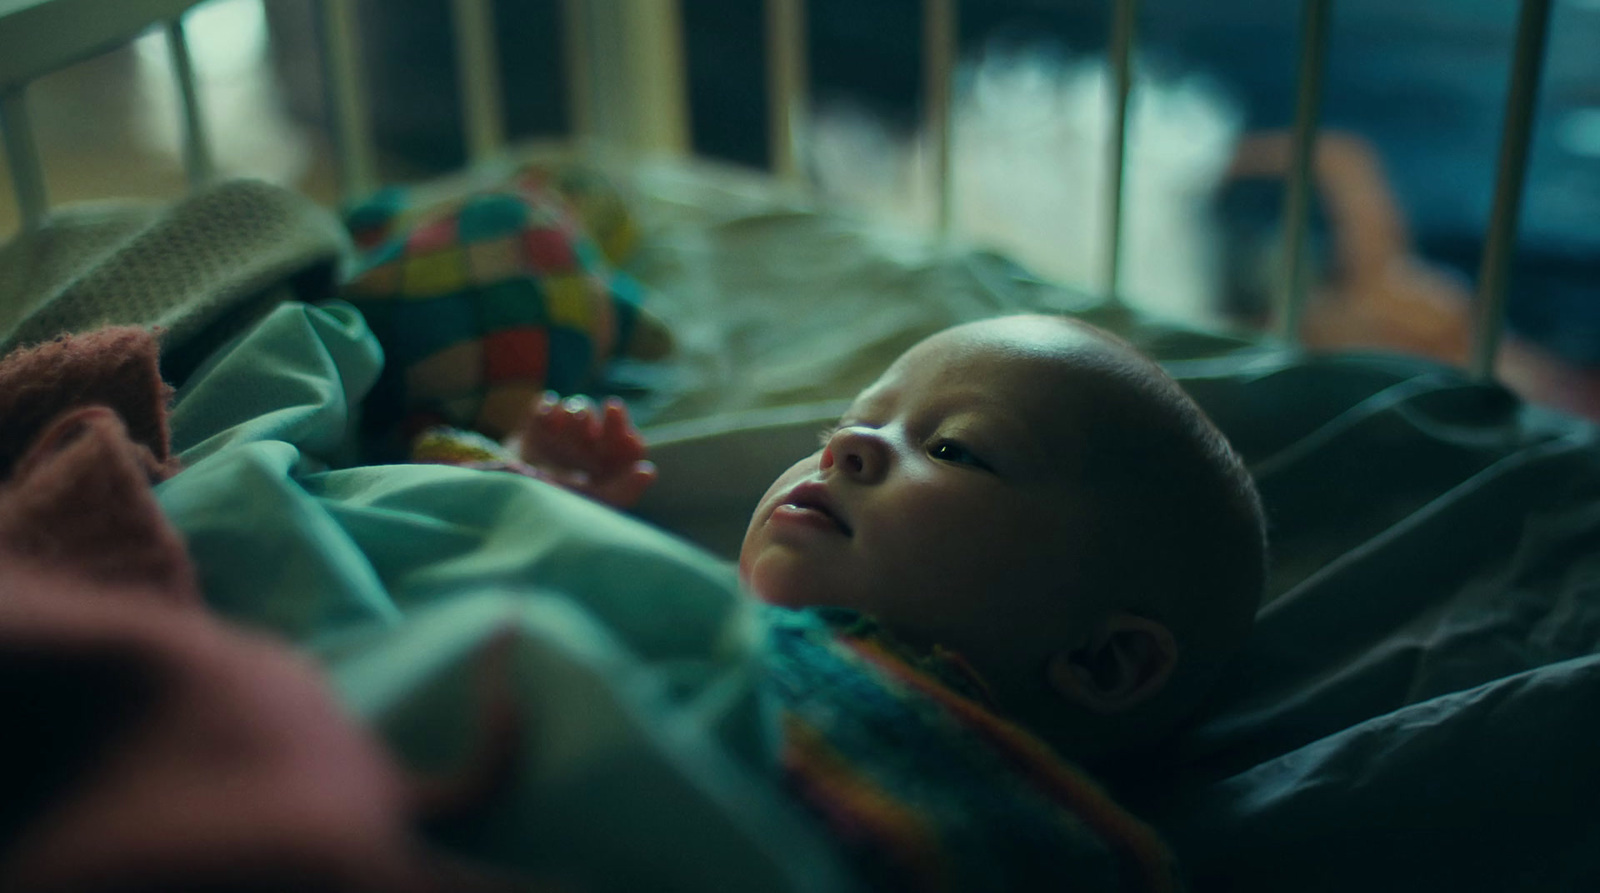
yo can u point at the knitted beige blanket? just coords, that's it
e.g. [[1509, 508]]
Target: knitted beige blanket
[[200, 269]]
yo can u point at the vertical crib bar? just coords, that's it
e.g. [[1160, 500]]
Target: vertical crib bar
[[640, 100], [611, 92], [580, 76], [346, 96], [1521, 99], [196, 148], [1124, 19], [478, 78], [788, 94], [938, 63], [22, 152], [1297, 203]]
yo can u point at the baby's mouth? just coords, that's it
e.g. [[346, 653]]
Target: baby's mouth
[[821, 510], [813, 500]]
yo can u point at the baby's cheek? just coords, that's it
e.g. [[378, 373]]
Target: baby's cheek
[[747, 555], [756, 539]]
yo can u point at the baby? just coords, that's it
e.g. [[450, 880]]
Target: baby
[[1028, 492]]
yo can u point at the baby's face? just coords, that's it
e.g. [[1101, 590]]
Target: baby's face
[[946, 503]]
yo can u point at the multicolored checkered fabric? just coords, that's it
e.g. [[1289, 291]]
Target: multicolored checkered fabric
[[483, 303]]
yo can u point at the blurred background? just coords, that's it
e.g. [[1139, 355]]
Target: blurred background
[[1413, 104]]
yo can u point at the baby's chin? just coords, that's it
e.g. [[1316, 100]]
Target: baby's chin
[[773, 588], [783, 580]]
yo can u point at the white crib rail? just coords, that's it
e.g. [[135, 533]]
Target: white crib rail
[[196, 148], [939, 44], [577, 62], [27, 170], [638, 98], [478, 78], [349, 117], [41, 36], [788, 93], [638, 80]]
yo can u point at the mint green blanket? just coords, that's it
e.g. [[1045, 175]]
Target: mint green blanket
[[645, 729]]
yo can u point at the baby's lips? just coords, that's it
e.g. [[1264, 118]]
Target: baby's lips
[[815, 496]]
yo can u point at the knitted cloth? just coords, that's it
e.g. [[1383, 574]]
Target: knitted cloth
[[484, 302], [200, 269], [925, 786], [114, 368]]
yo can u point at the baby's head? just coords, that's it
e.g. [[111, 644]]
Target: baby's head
[[1033, 494]]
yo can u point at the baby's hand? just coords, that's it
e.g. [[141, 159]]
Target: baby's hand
[[595, 451]]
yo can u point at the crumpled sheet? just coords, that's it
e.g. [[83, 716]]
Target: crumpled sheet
[[641, 761], [1415, 707], [151, 746]]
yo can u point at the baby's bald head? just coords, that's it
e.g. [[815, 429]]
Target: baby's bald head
[[1177, 534], [1032, 493]]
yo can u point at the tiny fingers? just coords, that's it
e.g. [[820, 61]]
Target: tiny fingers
[[543, 415], [623, 490], [620, 441], [577, 432], [614, 424], [546, 404], [582, 417]]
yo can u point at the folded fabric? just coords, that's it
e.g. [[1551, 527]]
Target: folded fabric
[[926, 786], [114, 368], [633, 663], [643, 763], [200, 269], [153, 747], [78, 503]]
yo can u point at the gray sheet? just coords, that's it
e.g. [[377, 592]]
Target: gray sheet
[[1418, 706]]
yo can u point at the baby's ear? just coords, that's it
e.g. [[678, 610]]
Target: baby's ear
[[1125, 663]]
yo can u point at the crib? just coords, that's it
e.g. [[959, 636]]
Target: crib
[[1416, 708]]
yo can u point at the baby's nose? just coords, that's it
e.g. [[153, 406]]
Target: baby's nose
[[858, 453]]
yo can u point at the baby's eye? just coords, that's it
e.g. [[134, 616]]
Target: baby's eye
[[950, 451]]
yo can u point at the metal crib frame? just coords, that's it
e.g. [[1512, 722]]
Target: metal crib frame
[[639, 100]]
